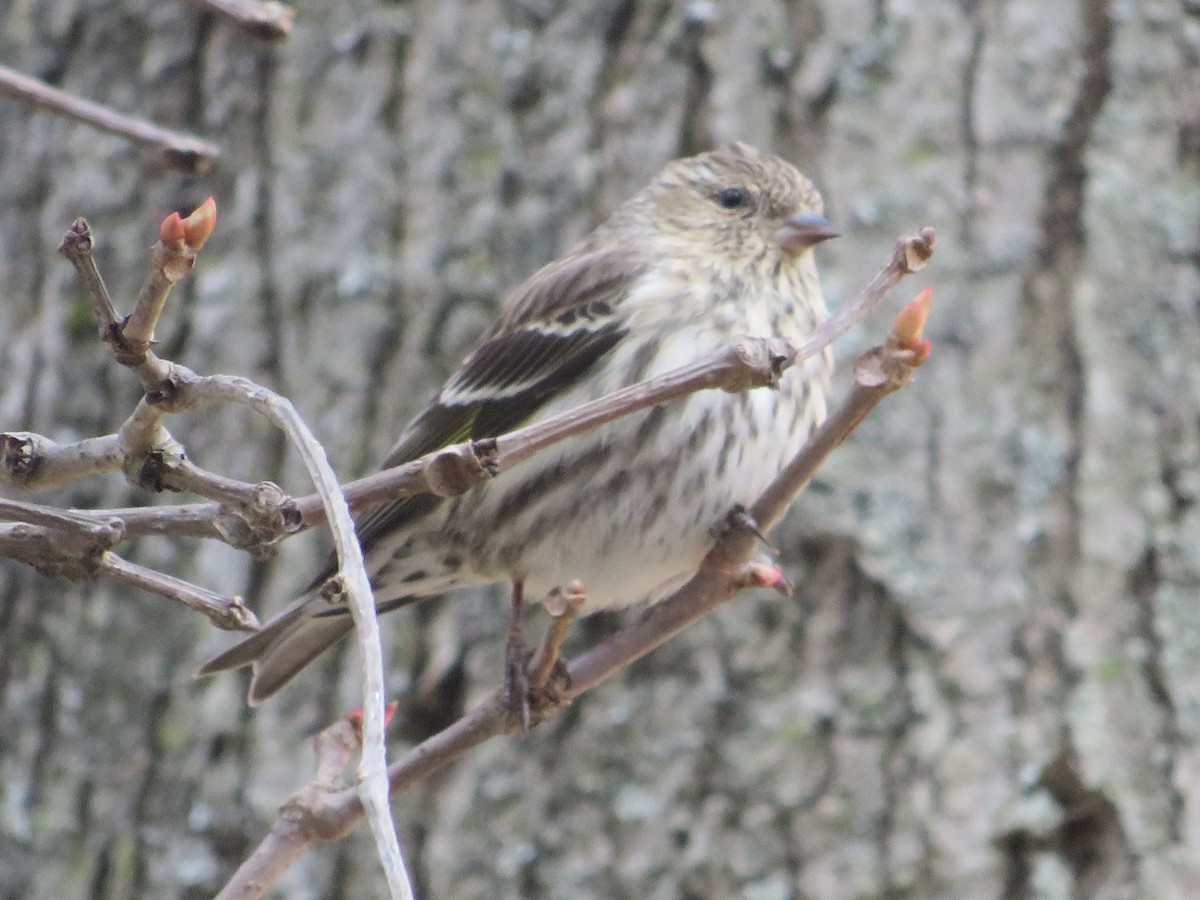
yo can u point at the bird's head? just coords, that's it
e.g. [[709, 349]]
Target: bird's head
[[736, 204]]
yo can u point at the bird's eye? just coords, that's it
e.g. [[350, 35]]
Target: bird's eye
[[732, 198]]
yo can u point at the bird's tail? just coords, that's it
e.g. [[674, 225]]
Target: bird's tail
[[299, 634], [283, 646]]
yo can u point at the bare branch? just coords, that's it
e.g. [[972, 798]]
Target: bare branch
[[77, 246], [66, 553], [91, 524], [34, 462], [178, 150], [228, 613], [908, 256], [76, 546]]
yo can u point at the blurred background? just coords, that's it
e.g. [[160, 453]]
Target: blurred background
[[988, 682]]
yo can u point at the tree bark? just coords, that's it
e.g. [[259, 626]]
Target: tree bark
[[987, 685]]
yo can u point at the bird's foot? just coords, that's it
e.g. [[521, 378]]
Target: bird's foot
[[740, 517]]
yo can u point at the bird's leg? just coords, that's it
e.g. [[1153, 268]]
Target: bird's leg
[[516, 656]]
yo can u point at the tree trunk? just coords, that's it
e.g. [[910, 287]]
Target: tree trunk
[[988, 684]]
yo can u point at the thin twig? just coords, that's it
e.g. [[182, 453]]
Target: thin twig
[[229, 613], [563, 608], [177, 149], [64, 519], [77, 246]]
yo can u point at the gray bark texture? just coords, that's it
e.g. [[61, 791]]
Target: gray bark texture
[[988, 683]]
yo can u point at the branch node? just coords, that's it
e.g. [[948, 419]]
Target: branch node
[[166, 392], [272, 511], [916, 250], [112, 336], [333, 589], [78, 240], [153, 470], [457, 469], [757, 362], [241, 617], [22, 456], [487, 455], [763, 573]]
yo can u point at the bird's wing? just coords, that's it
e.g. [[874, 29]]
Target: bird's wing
[[555, 327]]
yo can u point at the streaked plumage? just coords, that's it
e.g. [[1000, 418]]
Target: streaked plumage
[[717, 247]]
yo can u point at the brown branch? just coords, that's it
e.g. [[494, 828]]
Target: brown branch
[[65, 545], [228, 613], [721, 575], [90, 524], [268, 20], [178, 150], [77, 246], [70, 552]]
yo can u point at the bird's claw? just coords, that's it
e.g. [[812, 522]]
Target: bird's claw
[[741, 517]]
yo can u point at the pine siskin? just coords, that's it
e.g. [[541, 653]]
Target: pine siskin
[[716, 247]]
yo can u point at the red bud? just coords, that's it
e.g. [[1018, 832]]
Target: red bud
[[910, 321], [355, 716], [921, 350], [199, 225], [172, 229]]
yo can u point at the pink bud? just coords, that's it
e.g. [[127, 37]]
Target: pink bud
[[199, 225], [910, 321]]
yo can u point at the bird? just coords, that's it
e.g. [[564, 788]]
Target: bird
[[717, 247]]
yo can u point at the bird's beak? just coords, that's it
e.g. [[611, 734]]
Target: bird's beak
[[803, 230]]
